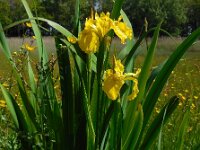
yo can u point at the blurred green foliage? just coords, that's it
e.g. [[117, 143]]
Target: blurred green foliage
[[180, 17], [172, 12]]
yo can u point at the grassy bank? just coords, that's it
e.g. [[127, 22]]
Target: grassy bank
[[184, 82]]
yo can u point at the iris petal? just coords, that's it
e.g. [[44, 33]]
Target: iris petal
[[115, 78], [88, 41], [112, 84], [122, 31]]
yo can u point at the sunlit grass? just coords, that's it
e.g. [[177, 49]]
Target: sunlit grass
[[184, 82]]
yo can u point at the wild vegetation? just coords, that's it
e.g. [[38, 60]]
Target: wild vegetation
[[180, 17], [103, 89]]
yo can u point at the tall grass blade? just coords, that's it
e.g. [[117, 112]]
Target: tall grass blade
[[91, 139], [116, 127], [106, 120], [59, 130], [156, 124], [42, 52], [161, 129], [143, 77], [20, 120], [32, 85], [128, 47], [134, 49], [25, 99], [4, 44], [142, 80], [132, 136], [31, 77], [163, 75], [30, 114], [68, 95], [102, 58], [181, 131], [77, 25], [153, 75], [80, 57], [93, 102], [12, 106], [53, 24], [129, 44], [116, 9], [56, 26]]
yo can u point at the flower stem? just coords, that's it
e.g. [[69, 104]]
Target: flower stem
[[89, 73]]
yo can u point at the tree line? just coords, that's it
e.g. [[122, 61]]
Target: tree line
[[180, 17]]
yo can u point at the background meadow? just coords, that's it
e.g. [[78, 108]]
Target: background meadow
[[42, 85], [184, 82]]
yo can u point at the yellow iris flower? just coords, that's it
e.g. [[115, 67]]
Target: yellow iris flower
[[28, 24], [112, 84], [29, 47], [88, 41], [103, 23], [2, 103], [122, 31], [115, 78], [96, 29]]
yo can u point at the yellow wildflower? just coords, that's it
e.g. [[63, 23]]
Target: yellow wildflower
[[192, 106], [15, 53], [29, 47], [72, 39], [28, 24], [2, 103], [5, 84], [180, 104], [195, 97], [157, 110], [170, 124], [34, 37], [57, 86], [189, 129], [181, 96], [165, 94], [115, 78]]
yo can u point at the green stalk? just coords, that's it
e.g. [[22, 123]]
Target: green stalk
[[41, 48], [89, 73], [100, 62], [116, 9], [88, 89], [90, 127]]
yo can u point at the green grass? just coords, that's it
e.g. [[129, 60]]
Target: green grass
[[184, 81], [16, 42]]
